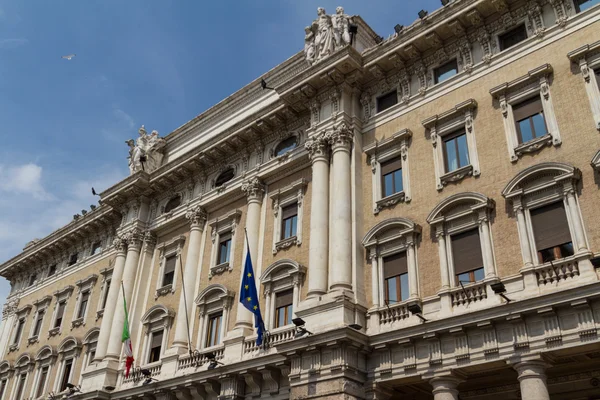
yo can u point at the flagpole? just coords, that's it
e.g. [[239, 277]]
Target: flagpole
[[187, 318], [126, 311]]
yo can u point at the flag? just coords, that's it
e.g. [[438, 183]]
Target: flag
[[249, 296], [126, 338]]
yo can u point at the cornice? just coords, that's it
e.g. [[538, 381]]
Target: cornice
[[531, 76], [584, 51]]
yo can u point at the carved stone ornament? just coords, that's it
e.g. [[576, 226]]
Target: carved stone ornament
[[285, 244], [10, 307], [341, 137], [196, 216], [317, 147], [326, 35], [146, 153], [120, 244], [254, 189]]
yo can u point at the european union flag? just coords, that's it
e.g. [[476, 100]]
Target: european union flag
[[249, 297]]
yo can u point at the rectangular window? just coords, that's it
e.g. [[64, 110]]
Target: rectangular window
[[467, 257], [60, 312], [387, 100], [96, 248], [456, 151], [85, 297], [169, 273], [395, 275], [52, 270], [289, 221], [391, 176], [42, 382], [529, 117], [512, 37], [445, 71], [105, 294], [20, 386], [66, 374], [32, 279], [19, 331], [284, 308], [224, 248], [73, 259], [91, 356], [551, 232], [582, 5], [156, 339], [213, 333], [38, 322], [2, 387]]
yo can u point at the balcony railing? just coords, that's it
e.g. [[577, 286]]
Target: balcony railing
[[198, 359], [273, 338], [557, 271], [393, 313], [470, 293], [135, 374]]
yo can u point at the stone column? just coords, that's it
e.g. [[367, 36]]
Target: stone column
[[197, 218], [341, 215], [444, 273], [120, 245], [572, 209], [444, 388], [523, 236], [532, 379], [413, 285], [375, 289], [488, 256], [134, 245], [267, 314], [318, 257], [255, 191]]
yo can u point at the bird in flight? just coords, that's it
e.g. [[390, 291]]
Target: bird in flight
[[68, 57]]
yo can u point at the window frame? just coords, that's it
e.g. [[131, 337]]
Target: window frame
[[221, 172], [90, 342], [459, 118], [96, 246], [172, 248], [157, 318], [41, 306], [282, 275], [73, 259], [68, 350], [274, 150], [213, 299], [385, 95], [454, 137], [208, 341], [435, 70], [577, 6], [22, 314], [106, 274], [45, 359], [531, 123], [378, 152], [62, 295], [288, 309], [83, 286], [587, 58], [219, 226], [281, 198], [512, 30]]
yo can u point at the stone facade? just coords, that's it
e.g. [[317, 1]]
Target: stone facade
[[298, 177]]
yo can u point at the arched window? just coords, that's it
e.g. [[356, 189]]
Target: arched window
[[43, 360], [22, 368], [285, 145], [214, 304], [224, 177], [173, 203], [5, 373], [282, 281], [68, 351], [157, 324], [90, 341]]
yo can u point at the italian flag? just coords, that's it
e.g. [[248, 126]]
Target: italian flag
[[126, 339]]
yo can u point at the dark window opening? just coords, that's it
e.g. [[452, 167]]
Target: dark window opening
[[38, 323], [467, 257], [225, 176], [551, 232], [289, 222], [73, 259], [391, 176], [529, 118], [512, 37], [42, 382], [445, 71], [285, 146], [105, 294], [582, 5], [456, 151], [284, 308], [2, 387], [66, 374], [32, 279], [60, 312], [96, 248], [224, 248], [173, 204], [52, 270], [19, 331], [213, 333], [169, 273], [395, 275], [20, 386], [91, 356], [85, 297], [387, 100], [597, 73], [156, 339]]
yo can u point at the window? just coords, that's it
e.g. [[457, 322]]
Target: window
[[39, 320], [3, 387], [582, 5], [512, 37], [91, 356], [19, 331], [289, 221], [551, 232], [66, 374], [173, 204], [588, 61], [467, 257], [387, 100], [456, 151], [285, 146], [96, 248], [105, 293], [391, 176], [155, 346], [43, 377], [597, 73], [169, 271], [52, 270], [73, 259], [284, 308], [224, 248], [60, 312], [20, 386], [529, 118], [32, 279], [213, 333], [395, 276], [85, 296], [445, 71], [224, 177]]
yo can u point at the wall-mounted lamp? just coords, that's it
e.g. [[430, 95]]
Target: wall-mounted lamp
[[500, 289], [415, 309]]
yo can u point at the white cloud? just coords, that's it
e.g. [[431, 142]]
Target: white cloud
[[26, 178], [12, 43], [124, 117]]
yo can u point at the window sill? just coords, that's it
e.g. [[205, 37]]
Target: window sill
[[13, 347], [54, 331], [99, 314], [33, 340], [534, 145], [219, 269], [163, 291], [77, 323], [389, 201], [286, 244], [456, 175]]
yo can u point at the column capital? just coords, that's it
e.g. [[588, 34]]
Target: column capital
[[341, 137], [531, 369], [445, 384], [120, 244], [254, 190], [317, 148], [197, 217], [134, 239], [150, 240]]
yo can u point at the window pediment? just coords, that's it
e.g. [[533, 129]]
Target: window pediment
[[282, 269], [91, 336], [43, 302], [45, 353], [540, 177], [5, 367], [24, 311], [68, 345], [24, 361], [532, 78], [158, 314], [213, 293], [390, 230], [86, 282], [64, 292], [459, 206]]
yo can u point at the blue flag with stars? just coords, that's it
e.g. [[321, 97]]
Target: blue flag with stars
[[249, 297]]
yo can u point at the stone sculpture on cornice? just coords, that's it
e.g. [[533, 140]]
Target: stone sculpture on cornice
[[326, 35], [145, 153]]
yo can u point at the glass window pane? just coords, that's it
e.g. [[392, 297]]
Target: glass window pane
[[463, 151], [464, 278], [479, 274], [445, 75], [585, 4], [398, 184], [539, 124], [451, 156], [392, 292], [289, 315], [525, 128], [294, 223], [388, 185], [404, 293], [566, 249], [280, 317]]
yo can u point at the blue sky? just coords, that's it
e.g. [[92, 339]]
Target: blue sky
[[160, 63]]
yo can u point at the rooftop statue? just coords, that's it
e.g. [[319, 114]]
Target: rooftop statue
[[326, 35], [145, 153]]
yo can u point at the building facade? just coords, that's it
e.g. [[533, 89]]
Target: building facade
[[424, 204]]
